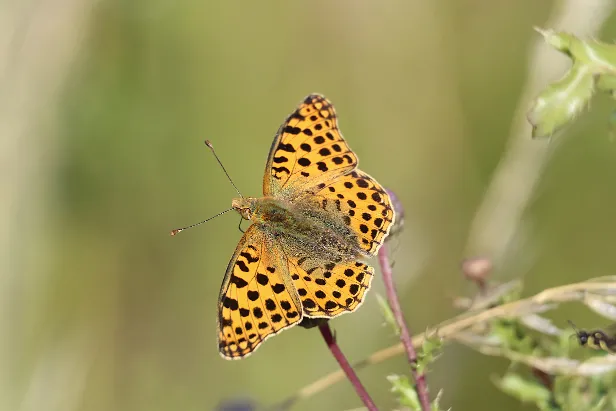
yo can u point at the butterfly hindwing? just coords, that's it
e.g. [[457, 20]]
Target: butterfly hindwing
[[328, 289], [307, 150], [364, 206], [257, 299]]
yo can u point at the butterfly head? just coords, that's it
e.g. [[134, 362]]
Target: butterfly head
[[245, 206]]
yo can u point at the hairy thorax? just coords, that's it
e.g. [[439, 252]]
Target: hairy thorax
[[304, 228]]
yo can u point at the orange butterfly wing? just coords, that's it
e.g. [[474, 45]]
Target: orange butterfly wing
[[307, 150], [257, 299]]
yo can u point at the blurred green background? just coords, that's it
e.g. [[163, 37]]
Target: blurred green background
[[102, 310]]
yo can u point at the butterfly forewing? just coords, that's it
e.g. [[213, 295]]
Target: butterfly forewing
[[257, 299], [307, 150]]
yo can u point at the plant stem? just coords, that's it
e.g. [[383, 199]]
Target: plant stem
[[330, 340], [405, 335]]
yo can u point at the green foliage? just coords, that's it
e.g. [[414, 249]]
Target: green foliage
[[593, 68], [567, 393], [542, 371], [428, 354], [595, 393], [407, 395], [524, 389], [405, 391], [388, 315]]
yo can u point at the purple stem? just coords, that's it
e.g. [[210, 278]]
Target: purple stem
[[405, 335], [330, 340]]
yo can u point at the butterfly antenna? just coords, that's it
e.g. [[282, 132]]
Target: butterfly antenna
[[179, 230], [211, 147]]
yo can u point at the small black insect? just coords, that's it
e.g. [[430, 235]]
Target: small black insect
[[604, 340]]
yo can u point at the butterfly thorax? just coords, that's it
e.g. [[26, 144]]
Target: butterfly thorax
[[302, 227]]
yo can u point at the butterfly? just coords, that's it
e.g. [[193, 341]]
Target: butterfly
[[302, 256], [597, 339]]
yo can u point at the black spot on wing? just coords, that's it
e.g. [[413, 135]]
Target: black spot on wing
[[290, 130], [278, 288], [281, 170], [262, 279], [230, 303], [249, 257], [296, 115], [242, 265], [238, 281]]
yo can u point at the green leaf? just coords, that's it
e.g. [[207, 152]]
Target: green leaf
[[514, 337], [430, 351], [593, 67], [596, 54], [388, 315], [436, 406], [405, 392], [524, 389], [562, 101]]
